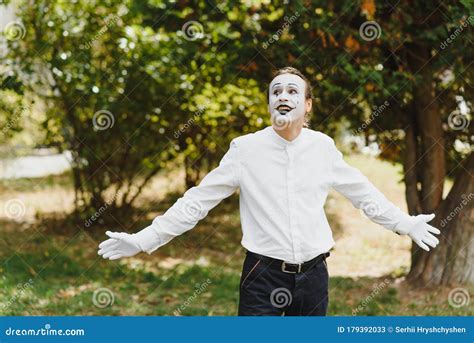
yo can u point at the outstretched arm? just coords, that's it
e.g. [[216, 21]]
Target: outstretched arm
[[365, 196], [185, 213]]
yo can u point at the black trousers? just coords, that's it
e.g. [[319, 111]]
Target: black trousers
[[266, 291]]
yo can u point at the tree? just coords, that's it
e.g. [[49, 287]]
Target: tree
[[126, 96], [426, 85], [401, 73], [95, 70]]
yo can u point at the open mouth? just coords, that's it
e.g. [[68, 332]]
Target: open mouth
[[284, 109]]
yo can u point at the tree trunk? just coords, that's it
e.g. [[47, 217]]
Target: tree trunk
[[451, 261], [411, 172], [425, 169], [431, 164]]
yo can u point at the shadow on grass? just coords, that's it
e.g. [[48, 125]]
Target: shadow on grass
[[47, 271], [53, 276]]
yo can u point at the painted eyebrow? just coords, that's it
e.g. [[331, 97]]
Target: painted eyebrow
[[290, 84]]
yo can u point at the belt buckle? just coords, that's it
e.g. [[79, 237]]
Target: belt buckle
[[283, 265]]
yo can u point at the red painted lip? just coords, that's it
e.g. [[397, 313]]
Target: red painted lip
[[283, 107]]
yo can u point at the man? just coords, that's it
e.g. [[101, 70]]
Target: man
[[284, 173]]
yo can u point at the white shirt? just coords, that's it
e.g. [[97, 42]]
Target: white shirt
[[283, 186]]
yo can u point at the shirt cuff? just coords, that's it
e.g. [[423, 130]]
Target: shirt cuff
[[405, 225], [148, 239]]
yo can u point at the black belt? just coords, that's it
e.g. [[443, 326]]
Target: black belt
[[293, 268]]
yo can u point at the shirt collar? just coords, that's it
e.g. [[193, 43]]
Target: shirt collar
[[282, 141]]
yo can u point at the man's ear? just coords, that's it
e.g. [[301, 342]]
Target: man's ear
[[308, 105]]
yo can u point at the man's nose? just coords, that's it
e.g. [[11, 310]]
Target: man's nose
[[283, 97]]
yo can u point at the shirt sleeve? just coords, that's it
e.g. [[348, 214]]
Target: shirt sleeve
[[363, 195], [195, 203]]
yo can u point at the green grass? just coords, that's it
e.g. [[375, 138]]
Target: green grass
[[66, 271], [197, 272], [64, 282]]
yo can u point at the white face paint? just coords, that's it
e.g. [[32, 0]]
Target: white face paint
[[287, 99]]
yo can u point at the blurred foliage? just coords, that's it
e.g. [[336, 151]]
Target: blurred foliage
[[180, 79]]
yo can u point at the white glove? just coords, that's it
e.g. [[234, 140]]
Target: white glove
[[122, 244], [420, 231], [119, 245]]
